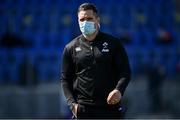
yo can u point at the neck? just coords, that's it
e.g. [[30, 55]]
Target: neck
[[91, 37]]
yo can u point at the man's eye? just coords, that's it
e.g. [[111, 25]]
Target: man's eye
[[81, 20], [89, 19]]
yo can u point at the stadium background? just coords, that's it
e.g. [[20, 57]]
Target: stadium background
[[34, 32]]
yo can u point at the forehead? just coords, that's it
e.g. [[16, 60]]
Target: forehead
[[85, 13]]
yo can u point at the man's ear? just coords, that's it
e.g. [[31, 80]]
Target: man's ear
[[98, 19]]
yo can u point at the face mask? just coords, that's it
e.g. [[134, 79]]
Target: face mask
[[87, 27]]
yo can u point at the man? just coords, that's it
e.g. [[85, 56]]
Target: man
[[95, 69]]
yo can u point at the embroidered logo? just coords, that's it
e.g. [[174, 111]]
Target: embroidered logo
[[105, 47], [78, 49]]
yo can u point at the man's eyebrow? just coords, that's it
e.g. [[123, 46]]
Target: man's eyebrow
[[86, 18], [89, 18]]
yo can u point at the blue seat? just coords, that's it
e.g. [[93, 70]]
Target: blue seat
[[10, 65], [48, 65], [3, 56], [3, 23], [39, 40]]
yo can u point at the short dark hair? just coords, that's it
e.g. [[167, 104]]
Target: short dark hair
[[88, 6]]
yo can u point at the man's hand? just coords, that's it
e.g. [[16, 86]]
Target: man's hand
[[114, 97], [74, 109]]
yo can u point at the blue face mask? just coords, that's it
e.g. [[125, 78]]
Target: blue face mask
[[87, 27]]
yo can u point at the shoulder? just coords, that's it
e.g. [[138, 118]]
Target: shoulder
[[114, 40], [106, 35], [72, 43]]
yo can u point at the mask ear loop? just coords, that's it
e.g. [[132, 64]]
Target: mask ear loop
[[99, 25]]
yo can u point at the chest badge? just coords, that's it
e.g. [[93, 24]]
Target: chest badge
[[78, 49], [105, 47]]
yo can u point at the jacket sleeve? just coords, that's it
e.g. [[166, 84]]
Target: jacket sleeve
[[122, 67], [67, 76]]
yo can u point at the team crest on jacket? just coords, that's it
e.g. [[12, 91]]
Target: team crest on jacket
[[105, 47], [78, 49]]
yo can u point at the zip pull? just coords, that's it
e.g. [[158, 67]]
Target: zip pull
[[91, 47]]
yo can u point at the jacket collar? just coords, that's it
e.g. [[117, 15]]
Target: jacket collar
[[98, 36]]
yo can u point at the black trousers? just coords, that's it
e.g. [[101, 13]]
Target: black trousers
[[91, 112]]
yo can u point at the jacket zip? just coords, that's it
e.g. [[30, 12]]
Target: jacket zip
[[92, 52]]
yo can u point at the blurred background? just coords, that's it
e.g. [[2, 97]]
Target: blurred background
[[33, 34]]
